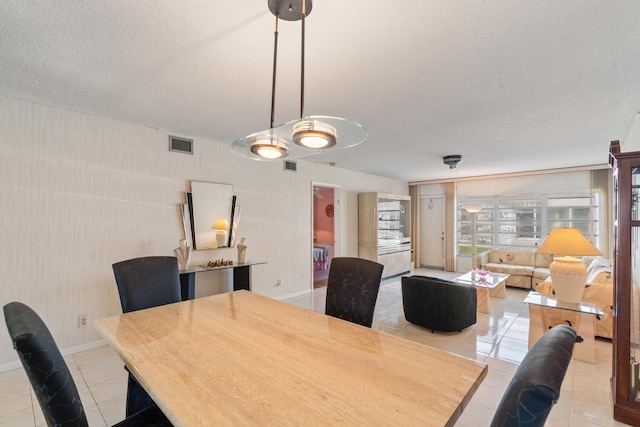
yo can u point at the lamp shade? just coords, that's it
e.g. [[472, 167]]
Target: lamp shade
[[473, 208], [221, 224], [567, 241]]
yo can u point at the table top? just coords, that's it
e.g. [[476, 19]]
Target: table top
[[240, 358], [201, 268], [490, 280], [546, 301]]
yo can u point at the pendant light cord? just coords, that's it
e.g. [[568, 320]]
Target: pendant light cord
[[273, 80], [302, 63]]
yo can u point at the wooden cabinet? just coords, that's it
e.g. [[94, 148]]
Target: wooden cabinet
[[625, 379], [384, 231]]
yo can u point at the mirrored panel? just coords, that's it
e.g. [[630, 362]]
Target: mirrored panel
[[212, 210]]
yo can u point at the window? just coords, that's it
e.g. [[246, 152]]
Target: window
[[519, 222]]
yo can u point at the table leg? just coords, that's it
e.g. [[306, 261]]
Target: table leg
[[187, 286], [242, 278], [585, 350], [499, 291], [484, 302], [537, 323]]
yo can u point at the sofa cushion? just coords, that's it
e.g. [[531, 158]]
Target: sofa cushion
[[517, 270], [543, 260], [600, 275], [540, 273], [497, 256]]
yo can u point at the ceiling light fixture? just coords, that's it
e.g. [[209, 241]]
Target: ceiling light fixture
[[310, 134], [452, 160]]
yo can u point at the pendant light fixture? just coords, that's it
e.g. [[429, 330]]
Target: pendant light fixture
[[310, 134]]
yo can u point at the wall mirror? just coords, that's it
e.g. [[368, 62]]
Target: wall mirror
[[212, 206]]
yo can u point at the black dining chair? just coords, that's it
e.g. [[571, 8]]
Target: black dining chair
[[535, 387], [49, 374], [352, 289], [144, 283]]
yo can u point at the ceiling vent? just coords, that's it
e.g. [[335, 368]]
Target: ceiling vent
[[181, 145], [290, 165]]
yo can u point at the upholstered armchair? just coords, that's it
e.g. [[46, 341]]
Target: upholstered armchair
[[438, 304]]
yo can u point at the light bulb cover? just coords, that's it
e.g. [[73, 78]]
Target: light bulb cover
[[351, 134], [314, 134], [269, 147]]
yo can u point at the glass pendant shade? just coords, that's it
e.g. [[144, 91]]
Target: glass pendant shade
[[310, 134], [269, 147], [314, 134], [347, 134]]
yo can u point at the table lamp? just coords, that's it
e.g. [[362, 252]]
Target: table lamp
[[221, 225], [568, 274]]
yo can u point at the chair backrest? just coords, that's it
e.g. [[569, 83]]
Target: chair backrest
[[147, 282], [535, 387], [352, 289], [47, 371]]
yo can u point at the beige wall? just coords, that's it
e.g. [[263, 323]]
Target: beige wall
[[79, 193]]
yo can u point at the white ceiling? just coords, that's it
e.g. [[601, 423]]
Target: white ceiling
[[511, 85]]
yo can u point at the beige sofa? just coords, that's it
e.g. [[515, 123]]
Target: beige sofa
[[526, 269], [599, 290]]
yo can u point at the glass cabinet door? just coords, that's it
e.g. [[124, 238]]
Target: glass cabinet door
[[626, 302], [633, 291]]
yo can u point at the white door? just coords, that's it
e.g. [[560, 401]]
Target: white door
[[432, 232]]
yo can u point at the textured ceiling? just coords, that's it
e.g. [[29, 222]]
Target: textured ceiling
[[510, 85]]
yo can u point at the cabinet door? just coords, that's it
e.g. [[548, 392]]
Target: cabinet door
[[626, 340]]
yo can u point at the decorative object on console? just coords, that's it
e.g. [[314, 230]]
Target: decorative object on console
[[310, 134], [218, 263], [568, 274], [242, 251], [183, 254], [221, 225]]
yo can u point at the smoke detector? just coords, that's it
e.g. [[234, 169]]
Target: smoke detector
[[452, 160]]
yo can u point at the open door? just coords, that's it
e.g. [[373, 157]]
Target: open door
[[325, 215]]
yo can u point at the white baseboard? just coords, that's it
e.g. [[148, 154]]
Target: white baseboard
[[65, 352], [293, 295]]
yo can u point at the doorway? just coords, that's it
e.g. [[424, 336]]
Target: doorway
[[325, 216], [432, 232]]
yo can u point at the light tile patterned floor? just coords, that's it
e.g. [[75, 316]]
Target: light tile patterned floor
[[498, 339]]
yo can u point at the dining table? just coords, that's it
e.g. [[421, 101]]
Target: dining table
[[241, 358]]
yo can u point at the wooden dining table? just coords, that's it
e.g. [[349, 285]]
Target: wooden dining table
[[240, 358]]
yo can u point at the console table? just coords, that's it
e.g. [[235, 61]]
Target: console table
[[241, 277]]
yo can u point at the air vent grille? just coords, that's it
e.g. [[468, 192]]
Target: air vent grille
[[290, 165], [181, 145]]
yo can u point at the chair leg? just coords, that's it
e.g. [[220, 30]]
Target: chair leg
[[137, 397]]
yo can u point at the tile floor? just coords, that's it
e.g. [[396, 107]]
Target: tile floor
[[498, 339]]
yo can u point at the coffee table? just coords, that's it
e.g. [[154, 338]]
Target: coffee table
[[585, 328], [490, 285]]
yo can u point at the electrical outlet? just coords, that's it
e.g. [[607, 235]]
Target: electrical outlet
[[82, 321]]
